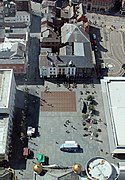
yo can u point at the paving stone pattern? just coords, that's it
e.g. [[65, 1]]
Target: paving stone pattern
[[58, 101]]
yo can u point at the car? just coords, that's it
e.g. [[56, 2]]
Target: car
[[95, 48], [94, 42], [103, 66], [94, 36]]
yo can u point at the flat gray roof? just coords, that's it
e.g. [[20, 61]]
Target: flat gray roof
[[3, 134], [5, 81], [114, 88], [79, 49], [117, 101]]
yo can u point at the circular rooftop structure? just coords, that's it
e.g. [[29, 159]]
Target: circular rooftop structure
[[77, 168], [98, 168]]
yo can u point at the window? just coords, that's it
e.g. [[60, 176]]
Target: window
[[63, 71], [59, 71]]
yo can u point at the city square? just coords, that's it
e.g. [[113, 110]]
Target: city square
[[62, 68], [54, 131]]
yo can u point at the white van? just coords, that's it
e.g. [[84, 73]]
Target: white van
[[102, 65], [69, 146]]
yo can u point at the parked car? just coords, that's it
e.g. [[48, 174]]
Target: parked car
[[103, 66], [95, 48], [94, 42], [94, 36]]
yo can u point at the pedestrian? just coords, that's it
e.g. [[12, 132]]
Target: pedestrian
[[20, 173], [90, 122], [67, 132], [68, 121], [73, 127], [57, 142]]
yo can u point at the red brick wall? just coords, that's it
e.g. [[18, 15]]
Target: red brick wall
[[18, 68]]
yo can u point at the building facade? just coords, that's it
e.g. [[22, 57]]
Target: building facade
[[98, 5], [75, 57]]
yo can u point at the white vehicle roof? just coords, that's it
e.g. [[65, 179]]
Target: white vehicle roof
[[70, 142]]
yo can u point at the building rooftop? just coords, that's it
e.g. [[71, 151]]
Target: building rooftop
[[113, 90], [117, 105], [5, 81], [73, 33], [78, 61], [67, 12], [12, 49], [3, 134]]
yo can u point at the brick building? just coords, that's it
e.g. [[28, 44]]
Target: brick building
[[96, 5], [13, 55]]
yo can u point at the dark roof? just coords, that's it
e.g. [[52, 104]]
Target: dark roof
[[19, 24], [78, 61], [5, 54]]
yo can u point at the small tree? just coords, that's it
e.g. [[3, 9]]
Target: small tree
[[91, 107], [90, 98], [85, 116]]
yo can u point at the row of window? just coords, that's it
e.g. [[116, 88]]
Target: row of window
[[101, 3], [62, 71], [16, 20]]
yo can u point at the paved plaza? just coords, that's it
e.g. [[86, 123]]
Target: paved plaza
[[58, 101], [53, 130]]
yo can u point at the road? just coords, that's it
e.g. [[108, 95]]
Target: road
[[111, 47], [117, 46]]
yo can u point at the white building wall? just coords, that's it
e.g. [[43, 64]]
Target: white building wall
[[71, 71], [19, 18], [11, 102], [7, 125]]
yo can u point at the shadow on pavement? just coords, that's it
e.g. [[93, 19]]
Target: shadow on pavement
[[26, 114]]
